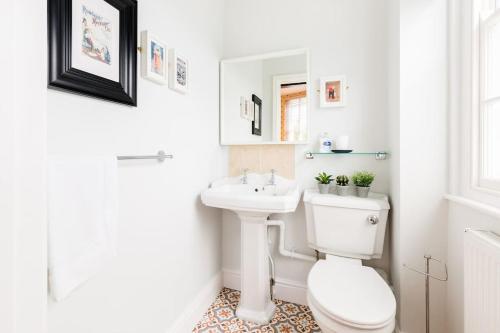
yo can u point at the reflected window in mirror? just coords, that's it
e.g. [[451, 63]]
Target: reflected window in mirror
[[293, 111]]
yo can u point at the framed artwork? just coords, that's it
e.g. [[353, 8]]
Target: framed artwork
[[179, 72], [92, 46], [257, 115], [332, 91], [246, 109], [154, 59]]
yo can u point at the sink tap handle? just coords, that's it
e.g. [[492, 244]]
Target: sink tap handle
[[272, 181], [244, 179]]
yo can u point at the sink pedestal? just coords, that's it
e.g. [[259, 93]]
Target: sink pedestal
[[255, 302], [253, 202]]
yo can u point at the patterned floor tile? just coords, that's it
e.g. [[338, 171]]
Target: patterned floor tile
[[221, 318]]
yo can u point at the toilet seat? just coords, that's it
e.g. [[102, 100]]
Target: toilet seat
[[351, 295]]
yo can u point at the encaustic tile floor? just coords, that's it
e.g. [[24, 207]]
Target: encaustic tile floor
[[221, 317]]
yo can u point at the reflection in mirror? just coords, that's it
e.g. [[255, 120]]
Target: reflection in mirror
[[290, 96], [264, 99]]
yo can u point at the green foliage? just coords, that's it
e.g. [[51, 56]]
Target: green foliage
[[342, 180], [363, 178], [323, 178]]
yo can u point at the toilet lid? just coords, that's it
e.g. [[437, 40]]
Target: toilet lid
[[351, 293]]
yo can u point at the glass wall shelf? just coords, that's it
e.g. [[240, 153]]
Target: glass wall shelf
[[379, 155]]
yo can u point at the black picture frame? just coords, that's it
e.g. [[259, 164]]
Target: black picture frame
[[257, 113], [62, 76]]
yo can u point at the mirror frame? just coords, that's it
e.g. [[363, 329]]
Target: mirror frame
[[303, 51]]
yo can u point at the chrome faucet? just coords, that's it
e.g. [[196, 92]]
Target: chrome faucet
[[244, 179], [272, 180]]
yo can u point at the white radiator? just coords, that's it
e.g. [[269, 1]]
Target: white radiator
[[482, 282]]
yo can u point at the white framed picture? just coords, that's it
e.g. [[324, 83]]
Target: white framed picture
[[332, 91], [246, 109], [179, 72], [154, 58]]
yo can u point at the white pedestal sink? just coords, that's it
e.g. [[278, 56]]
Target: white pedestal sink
[[254, 202]]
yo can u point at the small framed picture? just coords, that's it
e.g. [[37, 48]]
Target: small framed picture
[[246, 109], [257, 115], [154, 60], [332, 91], [179, 72]]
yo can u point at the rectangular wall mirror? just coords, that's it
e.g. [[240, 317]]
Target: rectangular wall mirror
[[264, 99]]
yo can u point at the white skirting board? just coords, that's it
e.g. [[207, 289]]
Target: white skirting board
[[195, 310], [285, 290]]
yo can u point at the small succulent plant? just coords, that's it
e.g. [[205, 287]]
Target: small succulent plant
[[363, 178], [324, 178], [342, 180]]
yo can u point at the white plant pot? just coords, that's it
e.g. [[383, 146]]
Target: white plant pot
[[343, 190], [362, 191], [323, 188]]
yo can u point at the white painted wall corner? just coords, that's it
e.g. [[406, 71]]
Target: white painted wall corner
[[195, 310]]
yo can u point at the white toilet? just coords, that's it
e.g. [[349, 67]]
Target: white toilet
[[345, 296]]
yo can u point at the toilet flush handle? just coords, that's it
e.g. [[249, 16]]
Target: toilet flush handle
[[373, 219]]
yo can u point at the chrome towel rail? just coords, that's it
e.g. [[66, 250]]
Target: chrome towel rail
[[160, 157]]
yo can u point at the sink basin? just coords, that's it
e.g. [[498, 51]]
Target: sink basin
[[255, 196], [254, 202]]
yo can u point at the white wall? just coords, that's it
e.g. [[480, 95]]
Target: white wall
[[23, 283], [421, 224], [393, 92], [344, 37], [169, 243], [7, 123]]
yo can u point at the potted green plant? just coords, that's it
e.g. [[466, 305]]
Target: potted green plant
[[324, 181], [342, 185], [363, 180]]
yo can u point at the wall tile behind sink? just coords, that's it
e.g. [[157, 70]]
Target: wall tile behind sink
[[262, 158]]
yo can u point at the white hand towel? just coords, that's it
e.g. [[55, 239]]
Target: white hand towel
[[82, 196]]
